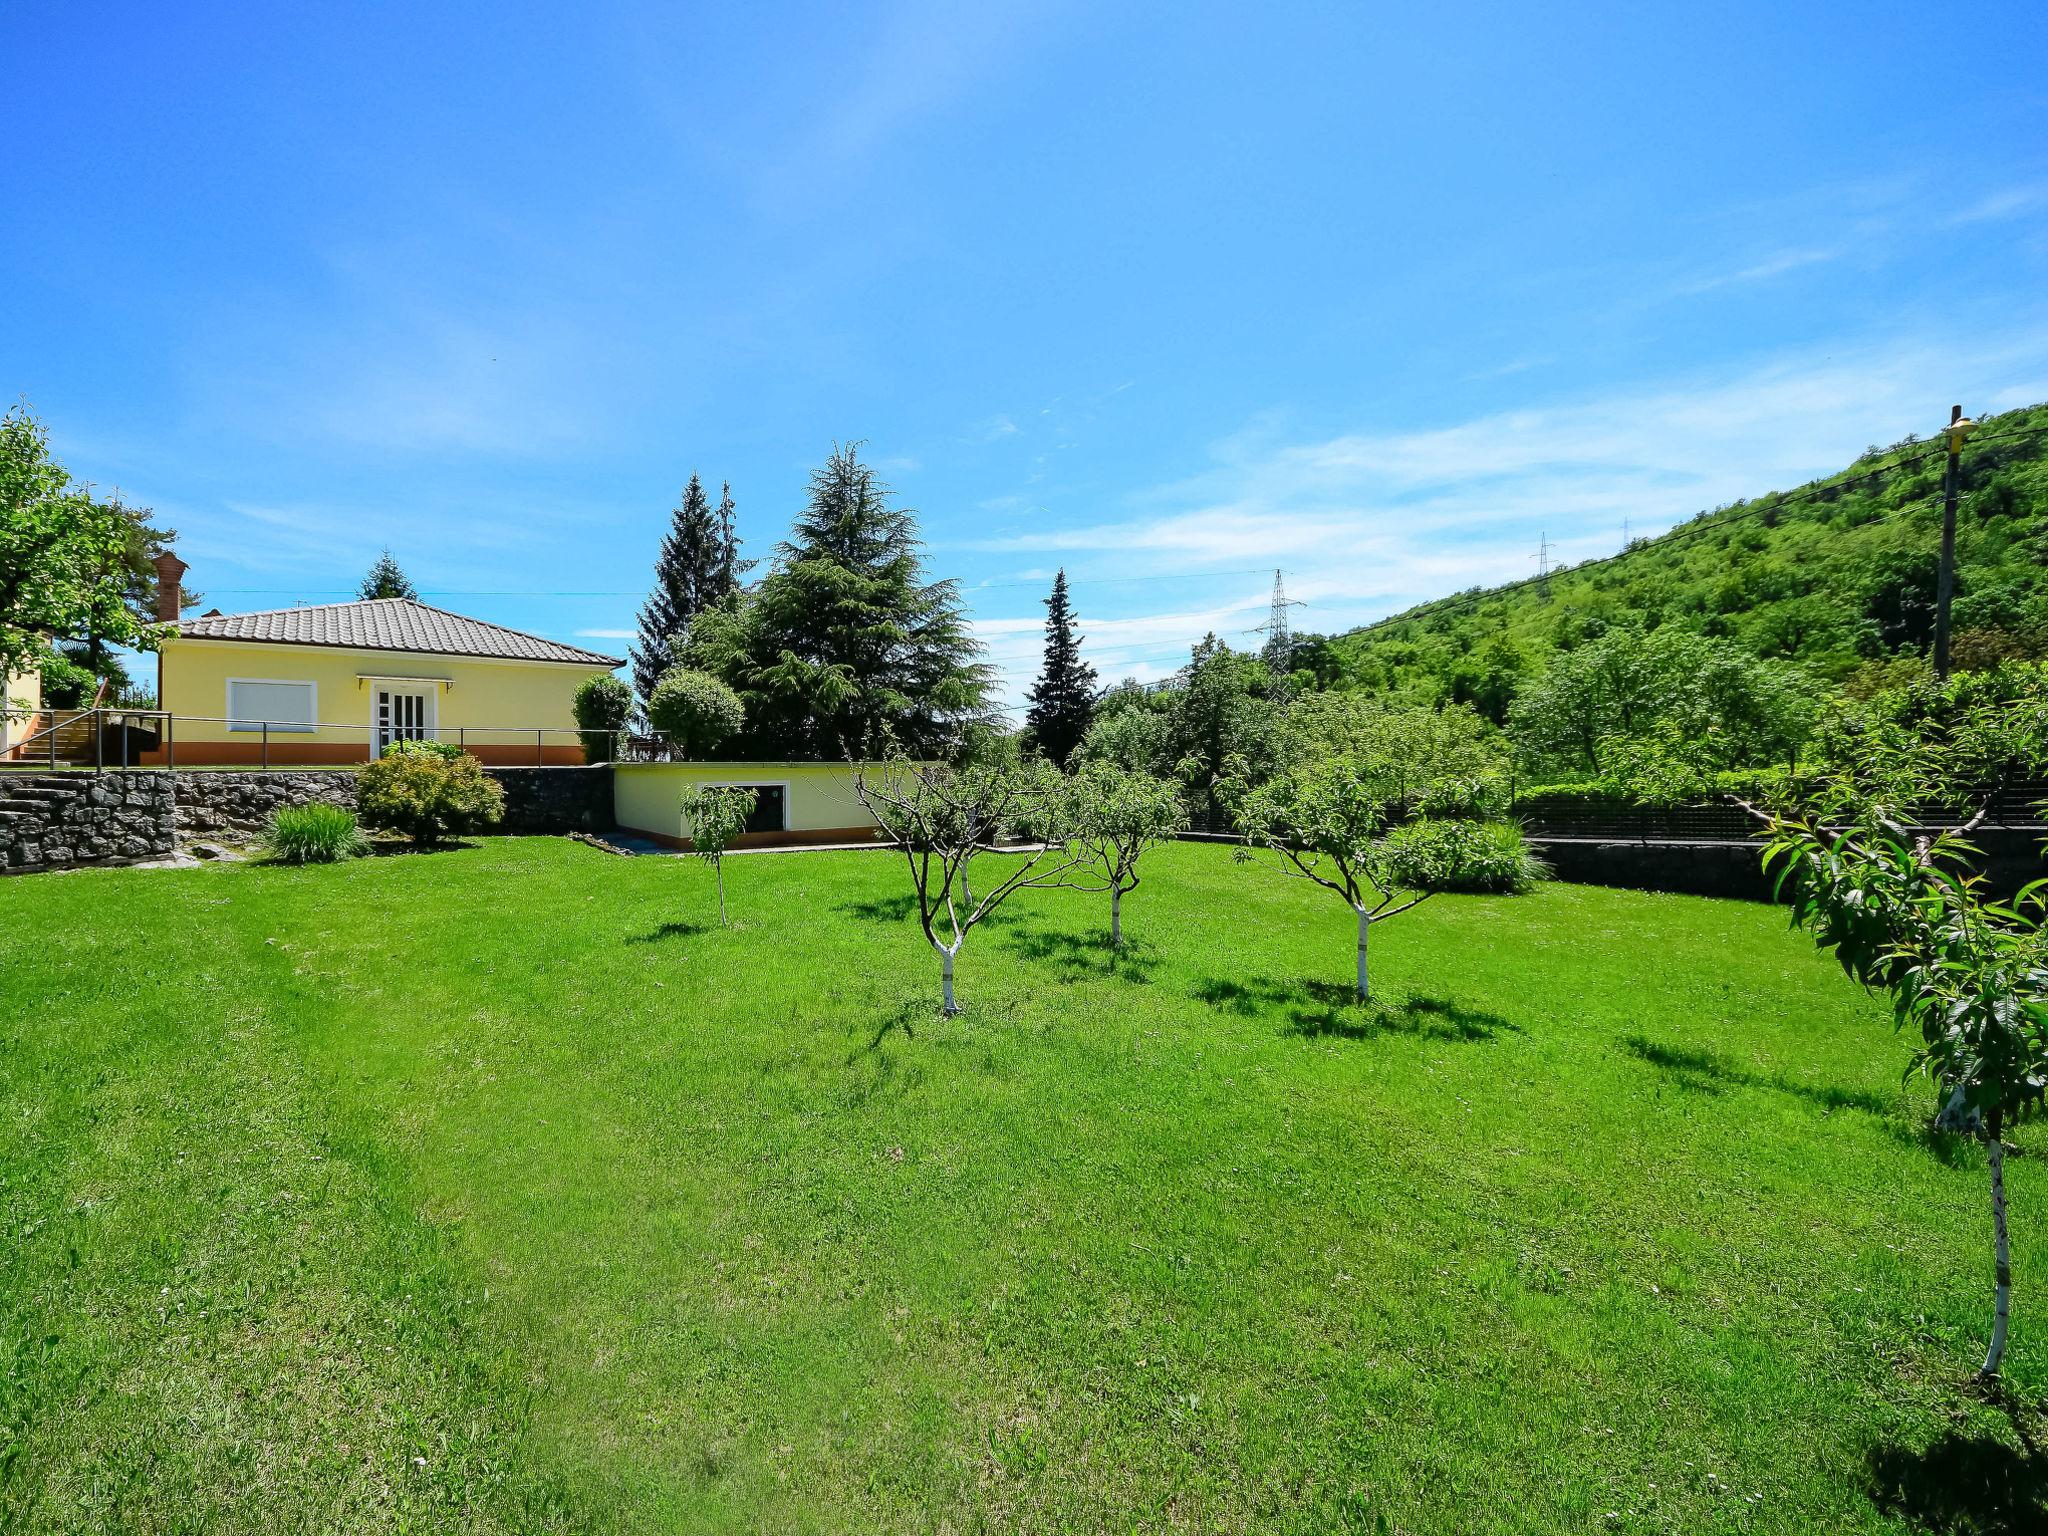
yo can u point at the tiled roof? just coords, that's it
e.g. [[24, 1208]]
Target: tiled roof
[[388, 624]]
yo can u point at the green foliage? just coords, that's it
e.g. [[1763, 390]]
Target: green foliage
[[67, 682], [715, 814], [424, 746], [1133, 738], [844, 650], [695, 711], [315, 833], [1837, 580], [1114, 816], [428, 792], [1063, 699], [601, 706], [1731, 708], [66, 559], [385, 579], [698, 567]]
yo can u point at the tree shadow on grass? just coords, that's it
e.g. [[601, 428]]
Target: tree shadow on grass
[[882, 909], [1968, 1483], [1706, 1072], [1081, 954], [1329, 1010], [673, 930]]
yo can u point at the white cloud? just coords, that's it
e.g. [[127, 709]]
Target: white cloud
[[606, 634], [1367, 523], [1771, 266]]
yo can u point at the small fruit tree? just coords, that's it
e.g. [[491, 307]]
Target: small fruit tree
[[428, 791], [601, 705], [715, 814], [1385, 805], [695, 711], [1900, 908], [1116, 816], [940, 817]]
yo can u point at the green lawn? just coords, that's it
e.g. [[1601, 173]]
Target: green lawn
[[493, 1190]]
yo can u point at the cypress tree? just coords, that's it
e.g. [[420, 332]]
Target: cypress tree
[[689, 576], [387, 580], [1063, 698]]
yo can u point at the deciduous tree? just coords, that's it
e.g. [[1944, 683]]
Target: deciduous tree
[[715, 814], [1396, 809], [940, 817], [695, 711], [1116, 816]]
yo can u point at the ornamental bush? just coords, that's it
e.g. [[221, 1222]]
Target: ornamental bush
[[695, 711], [601, 705], [313, 834], [428, 793]]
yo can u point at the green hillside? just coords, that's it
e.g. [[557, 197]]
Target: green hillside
[[1837, 575]]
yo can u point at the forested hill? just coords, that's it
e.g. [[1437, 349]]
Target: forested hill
[[1838, 575]]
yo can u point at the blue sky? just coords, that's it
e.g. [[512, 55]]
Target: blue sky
[[1168, 294]]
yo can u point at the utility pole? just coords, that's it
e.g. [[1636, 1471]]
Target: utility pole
[[1959, 428], [1279, 633]]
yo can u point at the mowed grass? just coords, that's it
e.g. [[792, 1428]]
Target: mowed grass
[[500, 1189]]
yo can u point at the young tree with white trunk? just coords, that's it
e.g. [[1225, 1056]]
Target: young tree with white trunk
[[1384, 805], [1900, 908], [715, 814], [1116, 816], [940, 818]]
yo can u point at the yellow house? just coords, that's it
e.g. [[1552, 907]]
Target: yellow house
[[21, 708], [339, 682]]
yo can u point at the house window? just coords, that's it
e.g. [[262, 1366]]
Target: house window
[[254, 702], [769, 813]]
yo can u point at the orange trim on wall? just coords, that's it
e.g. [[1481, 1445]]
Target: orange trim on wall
[[329, 754], [810, 838]]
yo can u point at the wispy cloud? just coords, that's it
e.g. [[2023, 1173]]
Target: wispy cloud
[[1775, 265], [2007, 203], [606, 634]]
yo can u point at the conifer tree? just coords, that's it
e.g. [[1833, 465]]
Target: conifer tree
[[730, 566], [387, 580], [689, 576], [1063, 698], [844, 649]]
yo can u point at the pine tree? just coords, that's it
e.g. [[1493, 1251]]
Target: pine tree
[[730, 566], [387, 580], [1063, 698], [689, 576], [844, 649]]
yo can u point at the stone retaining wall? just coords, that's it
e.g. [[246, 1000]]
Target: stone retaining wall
[[62, 820], [237, 806]]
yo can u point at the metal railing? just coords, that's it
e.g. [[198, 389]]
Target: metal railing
[[103, 738]]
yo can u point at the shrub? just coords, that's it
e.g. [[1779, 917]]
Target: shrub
[[601, 705], [695, 711], [428, 794], [447, 751], [313, 834]]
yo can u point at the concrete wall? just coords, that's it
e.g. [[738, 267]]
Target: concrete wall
[[819, 799], [2012, 858], [494, 705], [21, 703]]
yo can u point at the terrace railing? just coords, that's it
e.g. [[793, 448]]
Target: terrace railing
[[104, 738]]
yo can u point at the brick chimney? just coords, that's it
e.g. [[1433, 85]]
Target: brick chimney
[[170, 593]]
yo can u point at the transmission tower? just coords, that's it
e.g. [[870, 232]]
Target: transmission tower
[[1279, 633], [1543, 555]]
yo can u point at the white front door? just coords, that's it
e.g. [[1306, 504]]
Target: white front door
[[402, 714]]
